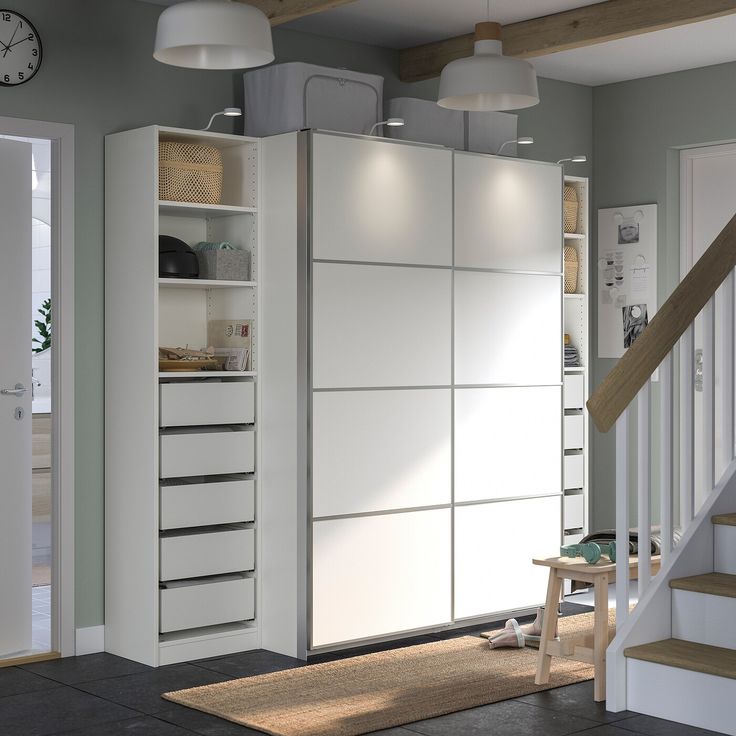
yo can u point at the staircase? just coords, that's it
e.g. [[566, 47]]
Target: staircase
[[674, 654]]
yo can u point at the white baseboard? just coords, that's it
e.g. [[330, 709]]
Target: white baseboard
[[90, 640]]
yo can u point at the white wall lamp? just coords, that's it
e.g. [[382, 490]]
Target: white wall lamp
[[574, 160], [391, 122], [213, 34], [488, 80], [523, 141], [228, 112]]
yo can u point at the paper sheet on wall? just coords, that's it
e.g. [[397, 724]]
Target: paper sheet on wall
[[627, 276]]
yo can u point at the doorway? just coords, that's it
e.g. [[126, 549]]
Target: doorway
[[37, 385]]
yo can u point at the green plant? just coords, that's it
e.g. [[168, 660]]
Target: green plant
[[43, 326]]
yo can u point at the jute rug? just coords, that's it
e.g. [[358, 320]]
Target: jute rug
[[377, 691]]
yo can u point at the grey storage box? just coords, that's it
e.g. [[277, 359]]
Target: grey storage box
[[224, 265], [426, 122], [286, 97]]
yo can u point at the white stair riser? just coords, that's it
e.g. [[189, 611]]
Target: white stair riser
[[725, 549], [705, 619], [681, 695]]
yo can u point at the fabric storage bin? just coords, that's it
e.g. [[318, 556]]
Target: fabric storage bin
[[205, 504], [426, 122], [195, 554], [201, 403], [574, 474], [574, 427], [286, 97], [574, 392], [231, 264], [206, 453], [573, 512], [206, 603]]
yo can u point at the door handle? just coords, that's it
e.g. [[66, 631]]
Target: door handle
[[19, 390]]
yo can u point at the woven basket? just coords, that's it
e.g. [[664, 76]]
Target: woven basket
[[571, 269], [570, 198], [189, 173]]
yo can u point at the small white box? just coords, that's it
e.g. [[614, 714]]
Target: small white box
[[206, 603], [574, 432], [574, 394], [574, 472], [573, 514], [194, 555], [204, 403], [206, 504], [206, 453]]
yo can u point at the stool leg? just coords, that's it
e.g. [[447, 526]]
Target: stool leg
[[600, 637], [548, 627]]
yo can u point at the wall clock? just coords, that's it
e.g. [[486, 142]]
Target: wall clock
[[20, 49]]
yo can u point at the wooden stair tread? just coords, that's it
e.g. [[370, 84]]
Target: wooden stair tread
[[725, 519], [712, 583], [687, 655]]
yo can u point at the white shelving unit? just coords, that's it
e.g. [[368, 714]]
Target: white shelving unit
[[181, 448], [576, 507]]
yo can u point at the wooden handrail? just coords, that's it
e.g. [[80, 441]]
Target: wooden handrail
[[619, 388]]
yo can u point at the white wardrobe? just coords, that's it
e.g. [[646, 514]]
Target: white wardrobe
[[412, 393]]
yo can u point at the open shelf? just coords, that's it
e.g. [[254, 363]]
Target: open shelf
[[575, 236], [575, 369], [207, 374], [192, 209], [574, 296], [204, 284]]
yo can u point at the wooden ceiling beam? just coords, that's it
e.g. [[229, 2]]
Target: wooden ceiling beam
[[573, 29], [282, 11]]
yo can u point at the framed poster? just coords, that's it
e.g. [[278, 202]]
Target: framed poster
[[627, 276]]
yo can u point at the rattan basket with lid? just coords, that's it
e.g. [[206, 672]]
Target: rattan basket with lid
[[571, 269], [571, 207], [189, 173]]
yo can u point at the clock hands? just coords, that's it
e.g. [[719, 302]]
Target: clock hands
[[10, 43]]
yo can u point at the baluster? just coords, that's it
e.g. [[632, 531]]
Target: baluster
[[666, 434], [687, 429], [727, 372], [709, 396], [622, 519], [643, 485]]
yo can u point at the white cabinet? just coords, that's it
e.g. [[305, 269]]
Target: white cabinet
[[380, 450], [508, 214], [380, 326], [507, 442], [574, 473], [192, 403], [205, 504], [574, 432], [207, 453], [507, 328], [373, 200], [573, 511], [378, 575], [494, 546], [574, 391]]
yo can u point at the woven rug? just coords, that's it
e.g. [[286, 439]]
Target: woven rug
[[377, 691]]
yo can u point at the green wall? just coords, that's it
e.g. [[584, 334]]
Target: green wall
[[98, 74], [639, 128]]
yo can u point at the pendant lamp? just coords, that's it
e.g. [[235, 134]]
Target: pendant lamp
[[488, 80], [213, 34]]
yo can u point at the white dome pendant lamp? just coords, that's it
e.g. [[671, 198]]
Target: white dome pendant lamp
[[213, 34], [488, 80]]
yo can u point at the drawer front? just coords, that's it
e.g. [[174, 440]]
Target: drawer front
[[574, 432], [207, 604], [207, 453], [205, 504], [574, 472], [202, 403], [573, 515], [572, 538], [196, 555], [574, 392]]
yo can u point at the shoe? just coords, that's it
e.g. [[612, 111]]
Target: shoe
[[533, 631], [511, 636]]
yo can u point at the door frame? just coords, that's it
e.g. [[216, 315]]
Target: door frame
[[61, 135]]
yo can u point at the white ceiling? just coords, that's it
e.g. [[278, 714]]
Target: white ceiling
[[403, 23]]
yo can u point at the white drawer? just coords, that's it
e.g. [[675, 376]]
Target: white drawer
[[572, 538], [573, 514], [574, 472], [206, 603], [200, 403], [205, 504], [574, 432], [206, 453], [193, 555], [574, 392]]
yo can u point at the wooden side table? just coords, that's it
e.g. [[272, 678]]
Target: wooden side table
[[586, 648]]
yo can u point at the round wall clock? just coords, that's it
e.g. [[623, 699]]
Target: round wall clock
[[20, 49]]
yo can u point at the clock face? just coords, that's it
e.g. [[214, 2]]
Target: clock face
[[20, 49]]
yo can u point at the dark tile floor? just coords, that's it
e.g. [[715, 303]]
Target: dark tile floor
[[104, 695]]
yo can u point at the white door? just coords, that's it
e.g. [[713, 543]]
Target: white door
[[708, 203], [15, 402]]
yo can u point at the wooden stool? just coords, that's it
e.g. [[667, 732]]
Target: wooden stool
[[590, 649]]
